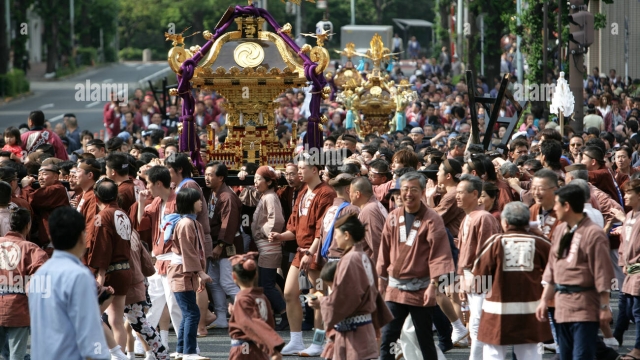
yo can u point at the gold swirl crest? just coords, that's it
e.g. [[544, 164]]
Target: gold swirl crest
[[248, 55]]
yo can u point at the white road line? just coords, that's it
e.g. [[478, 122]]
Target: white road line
[[92, 104], [152, 76], [107, 80], [142, 66], [47, 106], [56, 118]]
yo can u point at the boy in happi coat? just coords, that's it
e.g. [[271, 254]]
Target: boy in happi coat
[[251, 325], [354, 308]]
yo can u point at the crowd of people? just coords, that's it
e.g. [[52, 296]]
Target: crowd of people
[[413, 231]]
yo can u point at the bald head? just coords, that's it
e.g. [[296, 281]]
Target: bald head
[[362, 185], [361, 191]]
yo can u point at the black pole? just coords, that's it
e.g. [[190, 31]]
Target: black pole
[[560, 28]]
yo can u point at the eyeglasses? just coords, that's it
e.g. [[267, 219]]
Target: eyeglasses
[[412, 190], [535, 188]]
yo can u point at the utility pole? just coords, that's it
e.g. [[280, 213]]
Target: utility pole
[[459, 27], [519, 62], [545, 40], [72, 21], [560, 29], [580, 37]]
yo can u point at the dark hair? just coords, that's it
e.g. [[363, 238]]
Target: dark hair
[[328, 272], [551, 134], [220, 169], [66, 225], [552, 152], [490, 189], [150, 149], [573, 195], [86, 133], [119, 163], [5, 193], [20, 219], [354, 227], [159, 173], [245, 276], [608, 137], [146, 157], [185, 200], [97, 143], [66, 166], [114, 144], [94, 164], [476, 163], [597, 142], [15, 133], [251, 168], [179, 162], [106, 190], [37, 118]]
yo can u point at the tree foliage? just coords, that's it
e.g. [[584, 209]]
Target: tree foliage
[[142, 23]]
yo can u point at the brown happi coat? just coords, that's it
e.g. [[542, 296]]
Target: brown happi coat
[[89, 209], [327, 222], [112, 244], [252, 320], [629, 252], [427, 255], [605, 181], [513, 262], [475, 230], [306, 220], [587, 263], [203, 217], [373, 215], [355, 293], [43, 201], [126, 194], [546, 224], [225, 211], [21, 259], [188, 259], [451, 214], [141, 267], [151, 221]]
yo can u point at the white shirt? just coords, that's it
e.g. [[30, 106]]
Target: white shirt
[[594, 215]]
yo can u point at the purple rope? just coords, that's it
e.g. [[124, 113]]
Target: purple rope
[[189, 138]]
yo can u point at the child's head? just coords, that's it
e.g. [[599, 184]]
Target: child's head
[[328, 273], [12, 136], [188, 201], [349, 230], [244, 268]]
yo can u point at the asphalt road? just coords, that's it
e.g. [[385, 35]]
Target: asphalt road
[[56, 98], [217, 344]]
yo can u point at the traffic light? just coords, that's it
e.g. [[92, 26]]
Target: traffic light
[[582, 37]]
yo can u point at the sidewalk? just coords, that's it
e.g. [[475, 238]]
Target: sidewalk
[[37, 71]]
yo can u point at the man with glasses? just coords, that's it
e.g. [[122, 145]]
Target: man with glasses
[[51, 194], [575, 144], [543, 186], [408, 283]]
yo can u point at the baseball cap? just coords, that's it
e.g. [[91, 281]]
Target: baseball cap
[[417, 130]]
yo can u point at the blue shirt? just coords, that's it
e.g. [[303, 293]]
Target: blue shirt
[[66, 324]]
